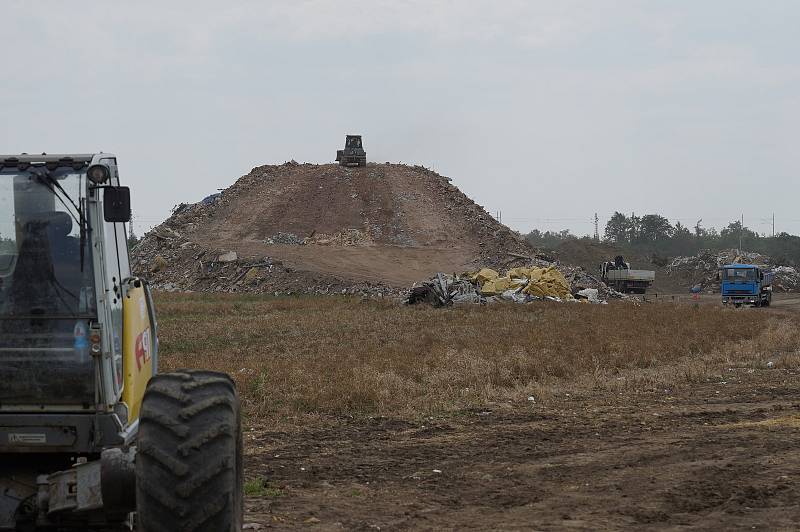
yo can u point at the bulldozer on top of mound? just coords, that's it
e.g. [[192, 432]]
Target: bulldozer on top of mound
[[92, 436], [353, 153]]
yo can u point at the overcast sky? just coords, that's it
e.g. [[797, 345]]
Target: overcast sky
[[549, 111]]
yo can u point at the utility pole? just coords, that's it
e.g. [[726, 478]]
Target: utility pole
[[773, 225], [596, 228], [741, 230]]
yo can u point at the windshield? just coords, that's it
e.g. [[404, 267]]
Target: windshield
[[739, 274], [47, 301], [41, 272]]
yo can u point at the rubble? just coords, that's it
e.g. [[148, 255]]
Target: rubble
[[589, 293], [174, 263], [222, 243], [211, 200], [702, 269], [285, 238], [518, 285], [228, 256], [348, 237]]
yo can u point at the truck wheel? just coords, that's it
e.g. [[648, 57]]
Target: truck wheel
[[189, 454]]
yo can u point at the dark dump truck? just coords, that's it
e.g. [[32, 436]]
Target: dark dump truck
[[353, 153]]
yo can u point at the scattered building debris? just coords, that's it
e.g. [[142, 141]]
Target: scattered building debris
[[174, 263], [702, 269], [285, 238], [348, 237], [519, 285]]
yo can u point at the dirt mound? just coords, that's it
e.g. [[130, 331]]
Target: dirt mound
[[385, 225]]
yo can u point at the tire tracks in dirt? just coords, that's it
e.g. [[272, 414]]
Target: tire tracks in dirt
[[696, 459]]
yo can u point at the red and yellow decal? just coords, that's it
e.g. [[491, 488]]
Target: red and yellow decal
[[137, 341]]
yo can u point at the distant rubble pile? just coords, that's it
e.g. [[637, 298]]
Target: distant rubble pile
[[702, 269]]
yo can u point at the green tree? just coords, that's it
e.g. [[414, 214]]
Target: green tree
[[617, 229], [654, 228]]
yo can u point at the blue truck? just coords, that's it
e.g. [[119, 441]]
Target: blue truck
[[746, 284]]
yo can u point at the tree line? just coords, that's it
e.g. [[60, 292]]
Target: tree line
[[654, 235]]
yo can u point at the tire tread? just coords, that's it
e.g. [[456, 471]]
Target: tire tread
[[188, 464]]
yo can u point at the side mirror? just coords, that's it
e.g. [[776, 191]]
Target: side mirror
[[117, 204]]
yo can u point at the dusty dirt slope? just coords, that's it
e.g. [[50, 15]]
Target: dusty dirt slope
[[385, 223]]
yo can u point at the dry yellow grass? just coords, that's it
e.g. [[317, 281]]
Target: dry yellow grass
[[342, 356]]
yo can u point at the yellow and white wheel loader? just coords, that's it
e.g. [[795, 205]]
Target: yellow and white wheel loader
[[92, 437]]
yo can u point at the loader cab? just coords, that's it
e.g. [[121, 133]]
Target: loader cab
[[82, 447], [63, 261]]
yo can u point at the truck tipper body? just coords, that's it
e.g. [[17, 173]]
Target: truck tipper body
[[619, 276], [746, 284]]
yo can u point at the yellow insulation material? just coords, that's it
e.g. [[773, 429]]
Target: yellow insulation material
[[548, 282], [483, 275], [497, 286], [541, 282]]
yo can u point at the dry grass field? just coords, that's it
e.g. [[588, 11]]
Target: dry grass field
[[364, 414], [351, 357]]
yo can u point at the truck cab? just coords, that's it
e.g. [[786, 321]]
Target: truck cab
[[746, 284]]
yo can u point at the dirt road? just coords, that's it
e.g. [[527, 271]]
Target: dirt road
[[722, 455]]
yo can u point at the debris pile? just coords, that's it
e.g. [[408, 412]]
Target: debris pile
[[348, 237], [292, 214], [702, 269], [285, 238], [787, 278], [171, 262], [520, 285]]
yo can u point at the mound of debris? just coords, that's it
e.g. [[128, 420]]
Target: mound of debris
[[702, 269], [542, 281], [325, 227], [182, 265]]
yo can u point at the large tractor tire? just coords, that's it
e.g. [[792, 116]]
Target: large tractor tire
[[189, 454]]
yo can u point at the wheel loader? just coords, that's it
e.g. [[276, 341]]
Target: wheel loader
[[92, 436]]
